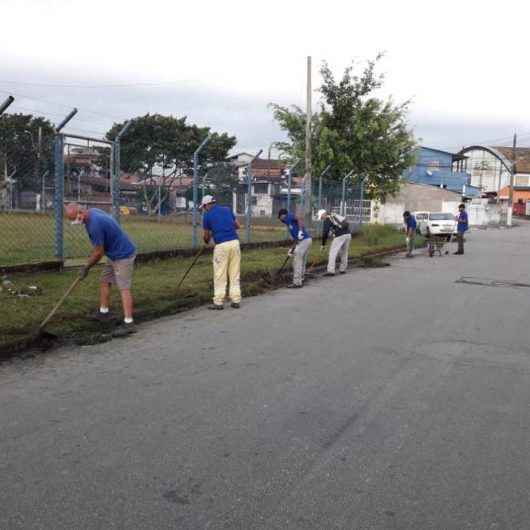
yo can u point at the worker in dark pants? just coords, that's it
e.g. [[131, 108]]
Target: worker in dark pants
[[302, 248], [461, 229], [410, 230]]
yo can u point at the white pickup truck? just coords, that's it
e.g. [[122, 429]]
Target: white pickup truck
[[435, 223]]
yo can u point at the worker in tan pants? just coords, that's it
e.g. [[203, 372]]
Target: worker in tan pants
[[220, 223], [226, 269]]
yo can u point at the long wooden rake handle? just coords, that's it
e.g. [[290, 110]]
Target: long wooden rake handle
[[195, 259], [60, 302]]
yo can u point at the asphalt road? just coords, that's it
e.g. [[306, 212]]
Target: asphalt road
[[393, 398]]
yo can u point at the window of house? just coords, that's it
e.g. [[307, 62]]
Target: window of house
[[434, 165], [261, 188]]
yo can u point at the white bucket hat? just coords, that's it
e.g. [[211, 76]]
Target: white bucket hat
[[320, 214], [207, 199]]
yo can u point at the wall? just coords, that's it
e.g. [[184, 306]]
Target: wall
[[419, 197], [479, 211], [263, 206]]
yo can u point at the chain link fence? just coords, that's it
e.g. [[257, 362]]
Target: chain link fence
[[26, 194], [40, 172], [87, 165]]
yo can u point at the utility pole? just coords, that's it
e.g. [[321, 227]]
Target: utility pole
[[308, 169], [512, 179]]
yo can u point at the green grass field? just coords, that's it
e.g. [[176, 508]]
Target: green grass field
[[29, 238], [154, 288]]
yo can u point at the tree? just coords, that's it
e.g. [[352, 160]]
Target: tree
[[160, 149], [19, 150], [354, 130]]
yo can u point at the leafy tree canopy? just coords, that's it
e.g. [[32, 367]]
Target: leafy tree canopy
[[160, 148], [353, 130], [19, 149], [155, 140]]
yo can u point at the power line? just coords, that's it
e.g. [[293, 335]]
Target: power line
[[115, 85], [40, 100]]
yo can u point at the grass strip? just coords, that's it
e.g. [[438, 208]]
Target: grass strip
[[154, 290]]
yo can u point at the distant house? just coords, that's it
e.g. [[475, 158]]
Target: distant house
[[269, 187], [442, 169], [491, 168]]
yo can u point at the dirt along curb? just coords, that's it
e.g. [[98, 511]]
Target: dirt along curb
[[253, 284]]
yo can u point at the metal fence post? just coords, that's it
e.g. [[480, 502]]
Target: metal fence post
[[194, 227], [249, 196], [343, 198], [328, 167], [6, 103], [362, 201], [289, 184], [115, 161], [249, 201], [114, 179], [59, 195]]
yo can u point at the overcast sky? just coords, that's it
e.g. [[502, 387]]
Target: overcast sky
[[464, 64]]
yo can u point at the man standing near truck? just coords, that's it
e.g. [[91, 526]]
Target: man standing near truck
[[340, 246], [462, 227]]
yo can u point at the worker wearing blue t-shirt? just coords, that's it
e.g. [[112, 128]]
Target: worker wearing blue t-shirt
[[302, 248], [461, 228], [109, 239], [410, 229], [220, 223]]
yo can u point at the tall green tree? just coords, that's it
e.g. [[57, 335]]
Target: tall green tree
[[353, 130], [19, 150], [160, 150]]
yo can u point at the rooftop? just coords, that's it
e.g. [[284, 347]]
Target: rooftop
[[522, 155]]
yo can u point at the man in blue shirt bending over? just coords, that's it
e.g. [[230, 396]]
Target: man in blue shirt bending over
[[410, 229], [302, 248], [220, 223], [109, 239]]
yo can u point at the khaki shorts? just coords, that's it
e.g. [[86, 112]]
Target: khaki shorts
[[119, 272]]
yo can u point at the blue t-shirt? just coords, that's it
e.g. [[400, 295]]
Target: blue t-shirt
[[103, 230], [294, 227], [411, 223], [462, 222], [220, 220]]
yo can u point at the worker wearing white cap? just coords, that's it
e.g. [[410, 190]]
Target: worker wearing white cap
[[338, 227], [220, 223]]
